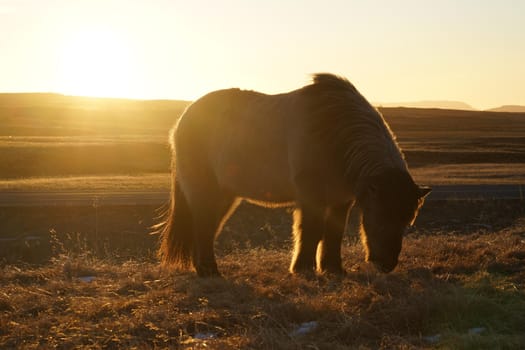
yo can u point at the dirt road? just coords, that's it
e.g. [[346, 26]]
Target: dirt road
[[132, 198]]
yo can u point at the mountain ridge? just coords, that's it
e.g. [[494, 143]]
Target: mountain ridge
[[48, 99], [443, 104], [508, 108]]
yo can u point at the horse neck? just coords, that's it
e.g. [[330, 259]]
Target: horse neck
[[372, 151]]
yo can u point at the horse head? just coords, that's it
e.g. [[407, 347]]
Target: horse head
[[389, 203]]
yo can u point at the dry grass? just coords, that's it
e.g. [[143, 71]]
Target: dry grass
[[444, 286], [482, 173], [461, 287], [474, 174], [58, 136], [136, 182], [82, 158]]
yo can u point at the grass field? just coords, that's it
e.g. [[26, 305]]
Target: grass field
[[94, 280], [47, 136], [449, 292], [482, 173]]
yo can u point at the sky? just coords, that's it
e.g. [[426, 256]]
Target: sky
[[393, 51]]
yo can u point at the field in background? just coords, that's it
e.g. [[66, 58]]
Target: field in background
[[45, 136], [459, 283], [56, 136]]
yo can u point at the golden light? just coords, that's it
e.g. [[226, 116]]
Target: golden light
[[96, 63]]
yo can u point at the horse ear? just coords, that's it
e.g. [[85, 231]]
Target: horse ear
[[423, 191]]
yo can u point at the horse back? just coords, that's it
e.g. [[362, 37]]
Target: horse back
[[242, 138]]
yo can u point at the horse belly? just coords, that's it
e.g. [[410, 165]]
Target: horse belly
[[269, 192], [256, 181], [256, 169]]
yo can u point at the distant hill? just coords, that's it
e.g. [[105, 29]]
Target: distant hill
[[509, 108], [429, 104], [53, 100], [46, 114]]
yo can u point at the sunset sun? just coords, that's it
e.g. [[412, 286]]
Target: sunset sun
[[96, 63]]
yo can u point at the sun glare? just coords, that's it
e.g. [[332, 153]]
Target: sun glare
[[96, 63]]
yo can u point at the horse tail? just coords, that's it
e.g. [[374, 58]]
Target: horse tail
[[176, 246], [176, 232]]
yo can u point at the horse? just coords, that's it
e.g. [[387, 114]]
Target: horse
[[322, 148]]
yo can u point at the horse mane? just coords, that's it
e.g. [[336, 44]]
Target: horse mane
[[355, 132]]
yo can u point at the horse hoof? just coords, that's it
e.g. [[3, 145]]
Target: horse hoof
[[208, 272], [306, 273], [337, 272]]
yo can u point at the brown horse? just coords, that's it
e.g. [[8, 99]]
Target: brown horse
[[322, 148]]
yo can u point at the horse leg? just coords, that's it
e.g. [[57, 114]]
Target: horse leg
[[329, 253], [354, 221], [209, 212], [308, 231]]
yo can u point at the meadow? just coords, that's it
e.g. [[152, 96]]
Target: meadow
[[450, 291], [53, 136], [95, 282]]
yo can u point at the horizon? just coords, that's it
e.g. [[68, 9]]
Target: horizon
[[408, 51], [423, 104]]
